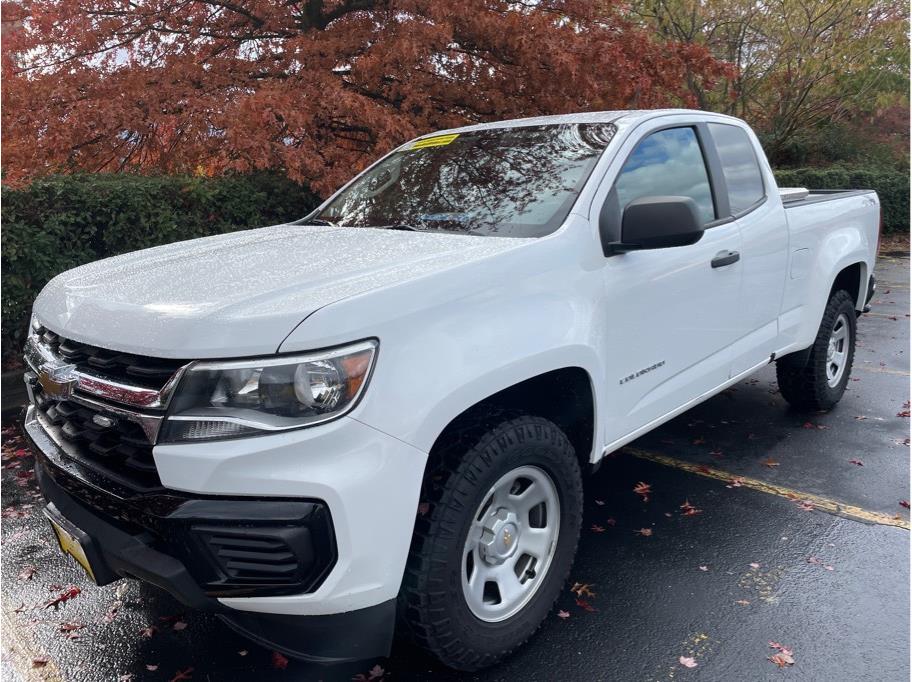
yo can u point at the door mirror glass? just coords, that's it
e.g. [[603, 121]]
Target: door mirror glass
[[658, 223]]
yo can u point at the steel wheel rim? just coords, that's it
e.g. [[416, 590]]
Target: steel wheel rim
[[837, 351], [510, 544]]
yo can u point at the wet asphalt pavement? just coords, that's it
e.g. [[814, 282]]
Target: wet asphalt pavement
[[751, 567]]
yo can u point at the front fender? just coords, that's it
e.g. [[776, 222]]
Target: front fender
[[451, 340]]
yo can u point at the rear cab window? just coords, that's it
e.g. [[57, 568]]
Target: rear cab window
[[740, 166]]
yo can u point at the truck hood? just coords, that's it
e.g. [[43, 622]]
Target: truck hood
[[242, 293]]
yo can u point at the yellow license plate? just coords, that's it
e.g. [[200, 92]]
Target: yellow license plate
[[69, 544]]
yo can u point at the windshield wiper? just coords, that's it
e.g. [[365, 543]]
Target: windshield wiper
[[315, 221], [399, 226]]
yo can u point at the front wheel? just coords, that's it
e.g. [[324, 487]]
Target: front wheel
[[821, 381], [496, 546]]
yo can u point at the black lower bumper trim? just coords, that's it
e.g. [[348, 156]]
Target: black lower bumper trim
[[335, 638], [115, 553]]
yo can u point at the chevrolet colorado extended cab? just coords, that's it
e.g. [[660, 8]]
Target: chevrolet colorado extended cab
[[379, 415]]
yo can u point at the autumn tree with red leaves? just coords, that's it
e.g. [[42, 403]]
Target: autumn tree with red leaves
[[316, 88]]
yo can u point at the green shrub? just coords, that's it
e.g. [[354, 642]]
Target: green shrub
[[63, 221], [892, 187]]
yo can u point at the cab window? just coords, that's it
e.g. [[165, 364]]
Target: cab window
[[667, 163], [739, 165]]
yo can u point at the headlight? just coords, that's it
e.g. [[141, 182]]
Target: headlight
[[247, 397]]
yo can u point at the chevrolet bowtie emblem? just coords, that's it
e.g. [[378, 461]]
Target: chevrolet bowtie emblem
[[58, 381]]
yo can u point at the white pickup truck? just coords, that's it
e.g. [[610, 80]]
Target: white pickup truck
[[380, 415]]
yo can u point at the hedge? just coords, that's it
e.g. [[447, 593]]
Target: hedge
[[892, 187], [63, 221]]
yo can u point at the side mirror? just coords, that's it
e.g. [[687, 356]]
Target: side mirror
[[659, 223]]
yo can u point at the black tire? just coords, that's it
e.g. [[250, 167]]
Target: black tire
[[432, 605], [806, 387]]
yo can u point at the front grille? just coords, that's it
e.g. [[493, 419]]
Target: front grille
[[121, 451], [135, 370], [109, 441]]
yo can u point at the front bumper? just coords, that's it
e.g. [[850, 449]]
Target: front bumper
[[161, 539]]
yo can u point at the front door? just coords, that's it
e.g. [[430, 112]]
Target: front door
[[674, 312]]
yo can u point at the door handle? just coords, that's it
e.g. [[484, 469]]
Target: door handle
[[724, 258]]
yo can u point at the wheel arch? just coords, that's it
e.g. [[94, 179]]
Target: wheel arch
[[565, 396], [852, 278]]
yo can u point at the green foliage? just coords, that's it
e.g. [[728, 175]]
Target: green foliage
[[892, 187], [59, 222]]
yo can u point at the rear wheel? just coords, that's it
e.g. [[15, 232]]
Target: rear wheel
[[821, 381], [491, 555]]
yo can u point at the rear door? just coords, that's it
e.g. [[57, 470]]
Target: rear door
[[753, 203], [673, 313]]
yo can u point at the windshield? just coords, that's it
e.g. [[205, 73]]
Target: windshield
[[510, 182]]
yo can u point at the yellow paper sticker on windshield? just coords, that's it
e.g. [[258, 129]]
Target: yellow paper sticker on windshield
[[436, 141]]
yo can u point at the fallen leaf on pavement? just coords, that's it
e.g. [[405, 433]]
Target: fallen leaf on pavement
[[145, 633], [582, 590], [179, 625], [856, 461], [687, 662], [645, 532], [40, 661], [183, 675], [687, 509], [279, 662], [743, 602], [70, 629], [783, 657], [704, 568], [770, 462], [563, 614], [600, 503], [27, 573], [904, 504], [643, 489], [597, 528], [152, 667], [755, 565], [63, 597], [781, 660], [375, 673], [242, 652], [586, 606]]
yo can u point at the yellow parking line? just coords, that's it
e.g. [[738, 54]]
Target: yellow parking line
[[888, 316], [881, 370], [819, 502], [22, 653]]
